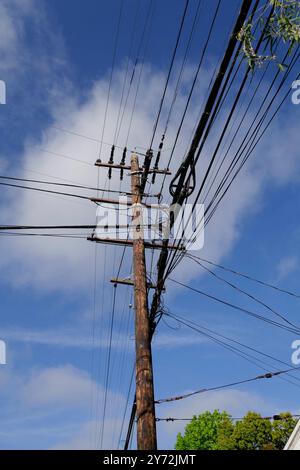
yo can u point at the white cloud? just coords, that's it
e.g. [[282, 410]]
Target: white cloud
[[57, 386], [8, 34], [175, 340], [64, 395], [60, 263], [286, 266], [81, 439], [78, 337], [33, 64], [13, 14], [63, 338], [67, 387]]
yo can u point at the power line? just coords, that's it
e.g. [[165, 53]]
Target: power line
[[251, 296], [179, 193], [193, 87], [248, 154], [276, 417], [208, 332], [250, 151], [169, 71], [269, 375], [49, 235], [146, 34], [247, 276], [201, 135], [237, 307], [57, 154], [175, 94], [101, 359], [108, 365], [79, 196], [126, 407], [239, 126], [161, 283], [161, 266], [184, 167], [225, 127], [53, 183], [111, 73], [212, 118], [233, 163], [254, 134], [126, 72], [183, 64], [92, 139]]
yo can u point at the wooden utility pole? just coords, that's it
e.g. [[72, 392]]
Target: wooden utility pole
[[144, 408], [146, 423]]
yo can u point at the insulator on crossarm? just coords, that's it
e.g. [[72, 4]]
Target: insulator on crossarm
[[123, 161], [158, 157], [111, 161], [124, 156]]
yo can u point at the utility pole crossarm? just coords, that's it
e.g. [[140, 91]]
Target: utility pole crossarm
[[126, 167], [123, 241]]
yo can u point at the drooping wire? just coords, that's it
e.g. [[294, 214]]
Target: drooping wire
[[117, 130], [239, 308], [108, 366], [111, 74], [193, 86], [246, 276], [169, 71], [178, 83], [242, 291], [269, 375], [145, 39], [207, 218], [208, 332]]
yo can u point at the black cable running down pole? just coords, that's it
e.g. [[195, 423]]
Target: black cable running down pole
[[182, 172]]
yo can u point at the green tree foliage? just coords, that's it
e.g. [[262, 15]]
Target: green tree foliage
[[252, 432], [283, 26], [217, 431], [203, 431], [282, 429]]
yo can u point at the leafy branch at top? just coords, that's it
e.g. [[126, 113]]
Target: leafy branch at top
[[283, 25]]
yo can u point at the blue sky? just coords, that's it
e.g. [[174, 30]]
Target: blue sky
[[55, 314]]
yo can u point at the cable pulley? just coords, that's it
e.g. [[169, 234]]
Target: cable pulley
[[189, 184]]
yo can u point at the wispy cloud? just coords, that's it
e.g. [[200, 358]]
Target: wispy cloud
[[175, 340], [73, 338], [60, 395], [286, 266]]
